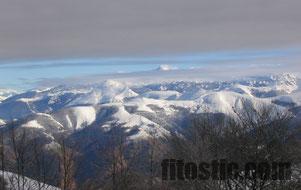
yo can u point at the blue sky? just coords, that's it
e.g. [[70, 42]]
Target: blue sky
[[22, 75]]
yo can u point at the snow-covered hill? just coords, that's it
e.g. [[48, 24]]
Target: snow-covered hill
[[142, 108]]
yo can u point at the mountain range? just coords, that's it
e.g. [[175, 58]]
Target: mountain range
[[145, 108]]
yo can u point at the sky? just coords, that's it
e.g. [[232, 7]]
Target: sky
[[69, 38]]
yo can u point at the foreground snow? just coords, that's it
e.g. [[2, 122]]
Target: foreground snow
[[14, 181]]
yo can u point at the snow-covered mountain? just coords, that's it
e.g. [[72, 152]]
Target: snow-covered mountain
[[142, 108]]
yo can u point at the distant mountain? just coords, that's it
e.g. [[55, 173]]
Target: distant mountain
[[165, 68]]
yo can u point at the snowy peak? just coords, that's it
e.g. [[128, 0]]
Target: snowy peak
[[107, 92]]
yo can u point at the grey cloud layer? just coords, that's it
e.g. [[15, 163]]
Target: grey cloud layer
[[83, 28]]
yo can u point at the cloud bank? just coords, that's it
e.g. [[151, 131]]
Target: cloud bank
[[35, 29]]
